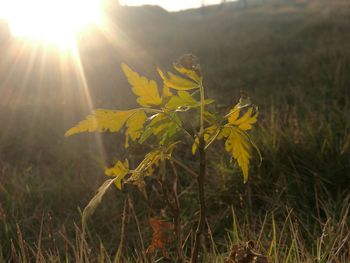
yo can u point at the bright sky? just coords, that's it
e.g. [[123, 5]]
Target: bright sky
[[171, 5], [59, 21], [54, 21]]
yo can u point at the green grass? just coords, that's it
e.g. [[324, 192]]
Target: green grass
[[294, 61]]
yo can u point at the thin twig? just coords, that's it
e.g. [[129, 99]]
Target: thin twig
[[184, 166], [138, 227], [122, 234]]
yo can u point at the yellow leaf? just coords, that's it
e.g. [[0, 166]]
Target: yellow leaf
[[224, 133], [195, 145], [159, 123], [184, 99], [234, 114], [176, 82], [134, 126], [166, 92], [102, 120], [208, 135], [119, 170], [146, 90], [238, 145], [188, 72], [244, 122]]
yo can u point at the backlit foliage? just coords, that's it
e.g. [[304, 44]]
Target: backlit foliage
[[160, 121]]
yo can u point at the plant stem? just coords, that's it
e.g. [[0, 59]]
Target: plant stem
[[177, 218], [132, 208], [200, 180], [202, 97]]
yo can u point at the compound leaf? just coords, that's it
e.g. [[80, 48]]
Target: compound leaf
[[102, 120], [246, 121], [146, 90]]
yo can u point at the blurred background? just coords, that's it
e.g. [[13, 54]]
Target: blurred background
[[291, 56]]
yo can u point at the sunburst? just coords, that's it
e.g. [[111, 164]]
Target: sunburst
[[52, 21]]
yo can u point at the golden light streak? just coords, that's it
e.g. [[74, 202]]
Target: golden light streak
[[83, 84], [48, 29]]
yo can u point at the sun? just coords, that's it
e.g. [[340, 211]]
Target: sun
[[53, 21]]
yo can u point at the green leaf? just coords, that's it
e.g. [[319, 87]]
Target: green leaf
[[159, 123], [166, 135], [163, 125], [211, 117], [146, 134]]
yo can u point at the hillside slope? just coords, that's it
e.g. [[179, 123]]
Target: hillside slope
[[292, 57]]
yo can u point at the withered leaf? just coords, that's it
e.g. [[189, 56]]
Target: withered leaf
[[162, 236]]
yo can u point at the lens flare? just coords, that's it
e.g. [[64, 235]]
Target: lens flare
[[53, 21]]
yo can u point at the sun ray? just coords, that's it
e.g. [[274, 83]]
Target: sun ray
[[83, 83], [46, 33]]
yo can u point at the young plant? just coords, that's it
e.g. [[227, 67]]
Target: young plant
[[163, 122]]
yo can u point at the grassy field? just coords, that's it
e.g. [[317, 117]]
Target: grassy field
[[293, 59]]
